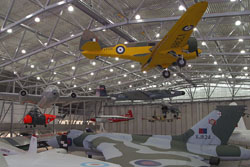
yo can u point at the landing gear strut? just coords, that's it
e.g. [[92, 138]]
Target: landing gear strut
[[181, 62], [166, 74]]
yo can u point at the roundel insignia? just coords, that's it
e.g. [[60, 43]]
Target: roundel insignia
[[147, 163], [188, 28], [212, 122], [69, 142], [120, 49], [96, 164]]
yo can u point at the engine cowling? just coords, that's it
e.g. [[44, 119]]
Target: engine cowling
[[214, 161], [192, 44], [22, 96], [73, 95]]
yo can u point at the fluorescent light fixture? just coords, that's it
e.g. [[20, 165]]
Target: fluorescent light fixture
[[130, 86], [93, 63], [189, 65], [52, 60], [132, 66], [54, 73], [111, 70], [92, 73], [245, 68], [70, 8], [119, 82], [219, 69], [9, 31], [74, 86], [125, 42], [242, 51], [155, 77], [181, 8], [117, 58], [195, 29], [38, 78], [137, 17], [73, 67], [23, 51], [157, 35], [203, 43], [238, 22], [215, 63], [90, 88], [144, 72], [174, 75], [32, 66], [37, 19], [125, 75], [58, 82], [241, 40]]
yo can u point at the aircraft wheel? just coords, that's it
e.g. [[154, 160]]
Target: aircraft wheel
[[166, 74], [89, 156], [26, 126], [181, 62]]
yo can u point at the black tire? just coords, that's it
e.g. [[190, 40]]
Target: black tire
[[181, 62], [166, 74], [120, 49], [214, 161]]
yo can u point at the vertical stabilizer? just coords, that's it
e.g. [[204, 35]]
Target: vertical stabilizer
[[216, 128], [3, 162], [33, 145]]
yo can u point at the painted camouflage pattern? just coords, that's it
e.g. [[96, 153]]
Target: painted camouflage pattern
[[171, 151]]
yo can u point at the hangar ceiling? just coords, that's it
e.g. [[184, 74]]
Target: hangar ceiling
[[39, 44]]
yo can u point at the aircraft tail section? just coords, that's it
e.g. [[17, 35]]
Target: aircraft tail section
[[89, 42], [33, 145], [3, 162], [130, 114], [101, 91], [216, 128]]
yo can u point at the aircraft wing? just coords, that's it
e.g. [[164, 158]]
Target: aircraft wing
[[69, 99], [134, 154], [112, 116], [178, 36], [16, 97]]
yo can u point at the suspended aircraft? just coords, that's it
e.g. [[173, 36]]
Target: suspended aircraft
[[175, 48], [203, 145], [50, 96], [113, 118], [36, 117]]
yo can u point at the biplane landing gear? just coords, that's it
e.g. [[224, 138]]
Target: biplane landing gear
[[166, 73]]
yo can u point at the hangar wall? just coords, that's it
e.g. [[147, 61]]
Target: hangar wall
[[191, 113]]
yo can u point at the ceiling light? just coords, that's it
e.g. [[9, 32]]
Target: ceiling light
[[73, 67], [219, 69], [125, 75], [58, 82], [74, 78], [15, 72], [93, 63], [111, 70], [215, 63], [125, 42], [45, 43], [38, 78], [203, 43], [189, 65], [195, 29], [54, 73], [92, 73], [130, 86], [222, 75], [52, 60], [23, 51], [246, 74], [32, 66], [74, 86], [132, 66], [175, 75], [104, 30], [155, 77], [70, 8], [232, 0], [3, 59], [9, 31], [202, 76], [245, 68], [238, 22], [144, 72], [90, 88], [72, 35], [181, 8], [37, 19], [242, 51], [241, 40], [119, 82], [117, 58], [137, 17], [157, 35]]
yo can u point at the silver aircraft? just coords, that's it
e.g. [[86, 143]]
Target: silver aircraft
[[50, 96]]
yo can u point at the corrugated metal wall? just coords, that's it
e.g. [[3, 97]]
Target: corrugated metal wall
[[191, 113]]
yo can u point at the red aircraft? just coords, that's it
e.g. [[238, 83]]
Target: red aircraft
[[113, 118], [36, 117]]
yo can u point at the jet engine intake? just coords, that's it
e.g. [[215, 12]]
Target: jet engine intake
[[214, 161], [22, 96], [192, 44], [73, 95], [23, 93]]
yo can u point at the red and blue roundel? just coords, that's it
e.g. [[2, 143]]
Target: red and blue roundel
[[147, 163], [96, 164]]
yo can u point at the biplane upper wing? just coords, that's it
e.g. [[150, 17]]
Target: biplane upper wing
[[178, 36]]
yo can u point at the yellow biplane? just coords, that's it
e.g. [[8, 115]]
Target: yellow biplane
[[175, 48]]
